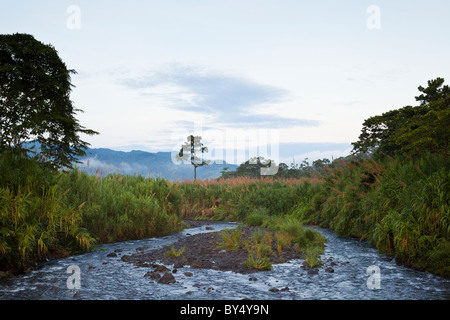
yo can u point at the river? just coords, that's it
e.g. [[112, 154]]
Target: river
[[352, 270]]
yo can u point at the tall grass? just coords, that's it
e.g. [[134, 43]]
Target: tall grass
[[34, 222], [237, 198], [401, 206], [47, 213], [118, 207]]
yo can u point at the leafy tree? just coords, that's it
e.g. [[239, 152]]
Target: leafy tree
[[249, 168], [434, 92], [191, 150], [411, 130], [35, 104]]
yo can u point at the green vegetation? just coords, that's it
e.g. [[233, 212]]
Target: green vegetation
[[252, 169], [261, 262], [35, 104], [398, 198], [411, 131], [401, 206], [313, 256], [393, 191], [282, 234], [45, 213], [231, 239], [175, 253]]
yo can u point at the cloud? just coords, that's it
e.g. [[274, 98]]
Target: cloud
[[229, 99]]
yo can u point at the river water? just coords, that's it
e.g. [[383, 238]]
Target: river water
[[357, 272]]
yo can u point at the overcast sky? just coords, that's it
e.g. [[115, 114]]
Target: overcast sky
[[299, 74]]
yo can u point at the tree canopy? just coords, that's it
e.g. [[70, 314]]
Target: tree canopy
[[35, 105], [411, 130]]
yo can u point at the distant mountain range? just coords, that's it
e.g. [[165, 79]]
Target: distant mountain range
[[105, 161]]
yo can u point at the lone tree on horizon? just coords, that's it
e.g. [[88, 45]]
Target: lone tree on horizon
[[191, 150]]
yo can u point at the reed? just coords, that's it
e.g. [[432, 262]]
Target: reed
[[399, 205], [45, 213]]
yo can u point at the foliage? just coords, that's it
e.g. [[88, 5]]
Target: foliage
[[35, 104], [313, 256], [411, 130], [401, 206], [259, 263], [118, 207], [231, 240], [257, 166], [47, 213], [35, 222], [175, 253]]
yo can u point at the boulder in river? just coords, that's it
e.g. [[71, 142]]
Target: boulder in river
[[167, 278], [152, 275], [160, 268], [125, 258], [313, 271]]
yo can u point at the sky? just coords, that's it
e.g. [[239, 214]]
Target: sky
[[283, 79]]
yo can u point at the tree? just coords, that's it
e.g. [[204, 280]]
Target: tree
[[254, 168], [411, 130], [434, 92], [35, 105], [190, 150]]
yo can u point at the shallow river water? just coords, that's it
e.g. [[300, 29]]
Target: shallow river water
[[357, 272]]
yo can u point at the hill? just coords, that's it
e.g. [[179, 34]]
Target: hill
[[104, 161]]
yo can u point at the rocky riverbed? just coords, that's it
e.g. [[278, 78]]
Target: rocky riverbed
[[140, 270], [204, 251]]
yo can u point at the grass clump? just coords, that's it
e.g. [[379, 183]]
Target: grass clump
[[257, 217], [258, 263], [313, 256], [259, 247], [231, 240], [175, 253]]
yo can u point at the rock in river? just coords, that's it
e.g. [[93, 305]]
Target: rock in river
[[167, 278]]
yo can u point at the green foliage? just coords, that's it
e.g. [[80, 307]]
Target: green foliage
[[401, 206], [238, 198], [35, 104], [49, 213], [258, 263], [34, 221], [254, 168], [313, 256], [411, 130], [258, 217], [117, 208], [175, 253], [231, 240]]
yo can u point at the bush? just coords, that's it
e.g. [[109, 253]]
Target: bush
[[257, 217]]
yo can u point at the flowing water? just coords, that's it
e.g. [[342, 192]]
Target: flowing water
[[351, 270]]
